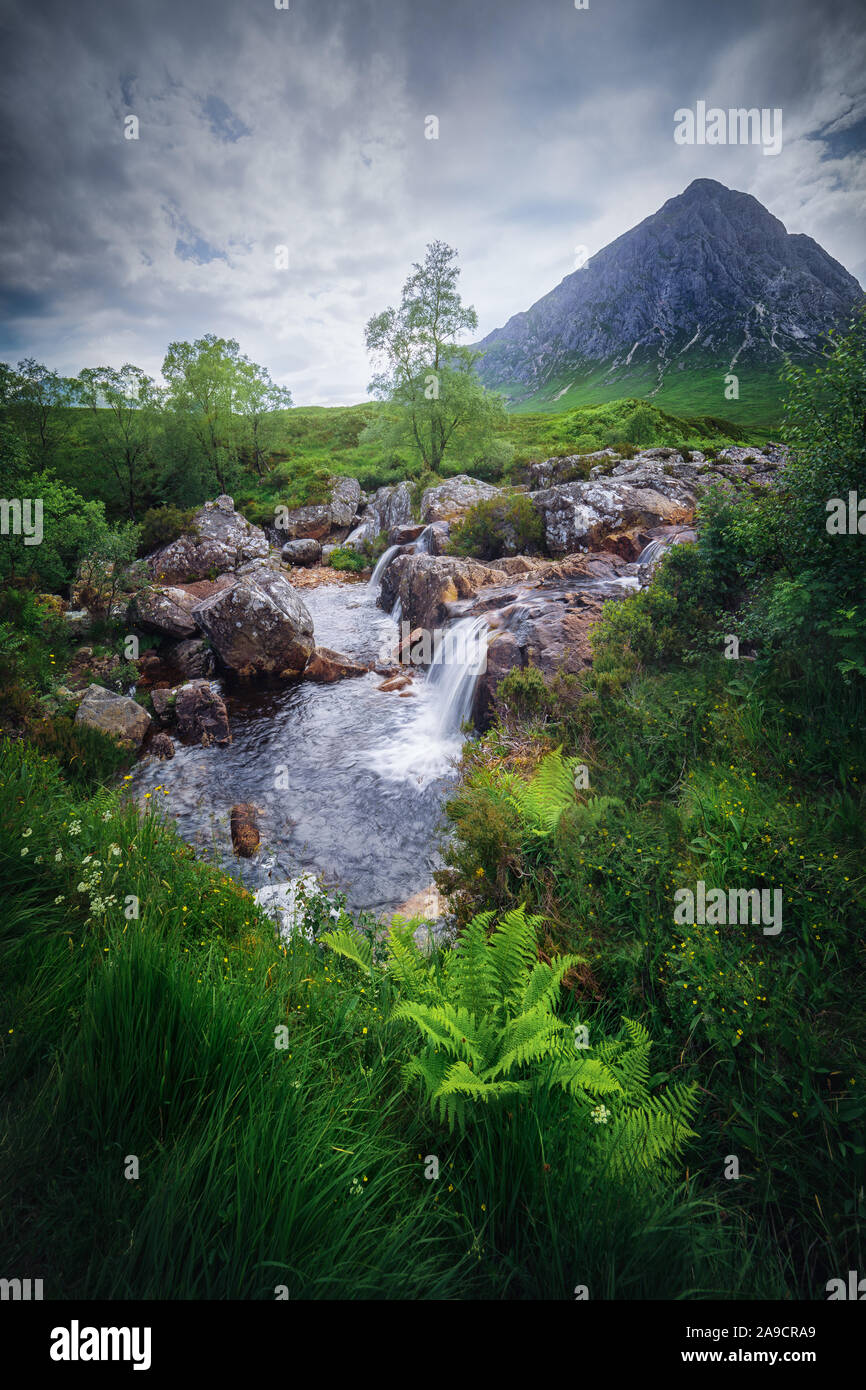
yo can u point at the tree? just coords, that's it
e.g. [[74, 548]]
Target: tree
[[434, 398], [38, 401], [123, 404], [200, 377], [256, 401], [225, 399]]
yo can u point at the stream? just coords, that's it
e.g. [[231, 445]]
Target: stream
[[350, 781]]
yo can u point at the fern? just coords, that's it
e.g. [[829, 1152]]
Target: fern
[[490, 1034]]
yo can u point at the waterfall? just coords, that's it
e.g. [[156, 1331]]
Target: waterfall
[[652, 553], [381, 566], [422, 545], [425, 747], [460, 658]]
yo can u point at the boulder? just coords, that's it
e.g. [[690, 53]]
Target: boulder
[[164, 609], [192, 658], [201, 714], [327, 666], [452, 499], [406, 534], [223, 541], [345, 500], [504, 654], [577, 516], [116, 715], [258, 626], [245, 829], [304, 523], [161, 746], [301, 552], [427, 584], [163, 703]]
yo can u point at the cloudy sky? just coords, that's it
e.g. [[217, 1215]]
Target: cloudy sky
[[304, 127]]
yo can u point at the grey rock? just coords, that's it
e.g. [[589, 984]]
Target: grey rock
[[258, 626], [301, 552], [116, 715]]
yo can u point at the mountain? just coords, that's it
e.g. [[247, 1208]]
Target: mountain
[[712, 283]]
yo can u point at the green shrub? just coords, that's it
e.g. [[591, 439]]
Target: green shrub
[[162, 525], [499, 526], [344, 558]]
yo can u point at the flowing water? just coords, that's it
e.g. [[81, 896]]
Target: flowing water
[[350, 780]]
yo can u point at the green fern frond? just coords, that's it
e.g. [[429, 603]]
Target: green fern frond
[[350, 945], [545, 981]]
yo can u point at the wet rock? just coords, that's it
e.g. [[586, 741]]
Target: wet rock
[[163, 703], [395, 683], [116, 715], [627, 544], [327, 666], [192, 659], [427, 584], [404, 535], [438, 537], [259, 626], [504, 654], [223, 541], [161, 746], [201, 714], [301, 552], [452, 499], [245, 829]]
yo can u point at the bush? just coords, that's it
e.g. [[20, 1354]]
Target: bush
[[343, 558], [499, 526], [162, 525]]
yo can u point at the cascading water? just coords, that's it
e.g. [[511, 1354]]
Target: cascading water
[[652, 553], [442, 702], [381, 566]]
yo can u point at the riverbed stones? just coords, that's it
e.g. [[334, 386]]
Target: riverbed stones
[[326, 666], [259, 626], [201, 714], [222, 540], [116, 715], [245, 829], [192, 658], [161, 746]]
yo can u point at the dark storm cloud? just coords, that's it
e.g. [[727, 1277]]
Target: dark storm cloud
[[304, 128]]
